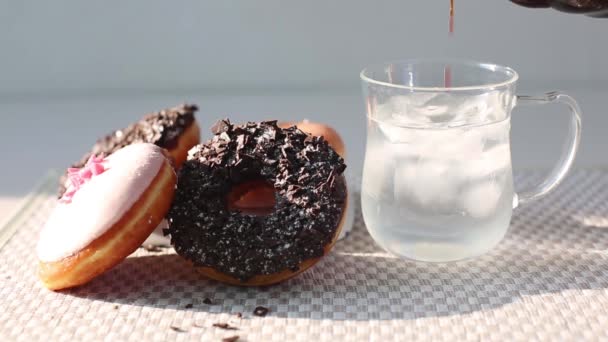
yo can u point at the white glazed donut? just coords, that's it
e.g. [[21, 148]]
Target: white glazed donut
[[110, 208]]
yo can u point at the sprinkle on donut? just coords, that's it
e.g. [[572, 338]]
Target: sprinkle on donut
[[310, 192]]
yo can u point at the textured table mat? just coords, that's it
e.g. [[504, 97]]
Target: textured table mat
[[548, 280]]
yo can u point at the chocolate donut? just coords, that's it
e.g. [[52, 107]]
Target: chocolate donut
[[173, 129], [238, 248]]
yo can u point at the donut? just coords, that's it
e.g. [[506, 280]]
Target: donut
[[108, 210], [174, 129], [319, 129], [239, 248], [335, 141], [256, 198]]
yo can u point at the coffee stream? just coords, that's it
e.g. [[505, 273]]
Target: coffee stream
[[447, 70], [451, 27]]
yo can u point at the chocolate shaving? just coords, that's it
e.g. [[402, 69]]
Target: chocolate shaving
[[224, 326], [310, 198], [207, 301], [220, 126], [231, 338], [178, 329], [261, 311], [189, 306]]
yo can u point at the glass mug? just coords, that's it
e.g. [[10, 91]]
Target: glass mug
[[437, 180]]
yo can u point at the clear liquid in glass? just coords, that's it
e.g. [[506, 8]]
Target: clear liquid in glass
[[436, 192]]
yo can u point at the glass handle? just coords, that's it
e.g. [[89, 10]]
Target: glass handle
[[570, 147]]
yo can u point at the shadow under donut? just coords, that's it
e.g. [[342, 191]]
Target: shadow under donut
[[359, 281]]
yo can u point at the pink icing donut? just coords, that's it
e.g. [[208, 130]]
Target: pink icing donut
[[131, 189]]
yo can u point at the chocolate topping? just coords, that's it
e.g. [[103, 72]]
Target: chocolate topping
[[161, 128], [225, 326], [261, 311], [310, 195]]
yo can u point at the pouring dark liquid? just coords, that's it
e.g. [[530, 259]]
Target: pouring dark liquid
[[447, 71], [592, 8], [451, 25]]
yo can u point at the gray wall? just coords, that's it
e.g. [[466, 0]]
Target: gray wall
[[73, 70], [159, 45]]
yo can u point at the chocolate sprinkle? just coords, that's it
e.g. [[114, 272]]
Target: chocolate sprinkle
[[178, 329], [224, 326], [231, 338], [162, 128], [207, 301], [189, 306], [310, 195]]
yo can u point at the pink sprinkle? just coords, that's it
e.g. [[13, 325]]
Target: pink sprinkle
[[97, 169], [85, 173], [78, 177], [75, 179]]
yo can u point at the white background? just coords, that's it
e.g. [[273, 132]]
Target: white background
[[71, 71]]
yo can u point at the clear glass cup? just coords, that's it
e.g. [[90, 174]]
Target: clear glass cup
[[437, 179]]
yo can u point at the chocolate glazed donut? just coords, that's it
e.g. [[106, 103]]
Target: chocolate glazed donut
[[174, 129], [237, 248]]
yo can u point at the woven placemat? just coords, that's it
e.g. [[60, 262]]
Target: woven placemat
[[548, 280]]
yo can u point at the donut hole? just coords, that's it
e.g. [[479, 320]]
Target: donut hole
[[254, 197]]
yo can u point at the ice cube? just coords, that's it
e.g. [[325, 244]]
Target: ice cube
[[498, 157], [411, 103], [479, 109], [457, 144], [435, 107], [471, 110], [491, 162], [396, 134], [445, 145], [439, 109], [481, 199], [377, 171], [427, 183], [498, 131], [415, 110]]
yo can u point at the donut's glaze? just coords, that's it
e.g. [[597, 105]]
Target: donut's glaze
[[306, 174], [162, 128], [100, 202]]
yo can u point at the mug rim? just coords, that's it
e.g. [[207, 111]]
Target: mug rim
[[513, 76]]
